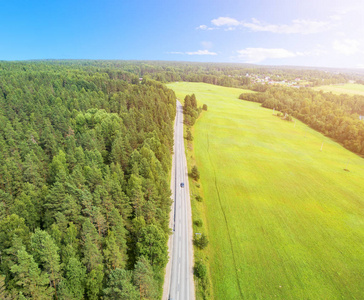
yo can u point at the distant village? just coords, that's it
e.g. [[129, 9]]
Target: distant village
[[278, 80]]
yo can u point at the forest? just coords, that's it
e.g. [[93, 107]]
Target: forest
[[336, 116], [223, 74], [85, 157]]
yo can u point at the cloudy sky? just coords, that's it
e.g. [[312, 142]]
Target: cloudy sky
[[276, 32]]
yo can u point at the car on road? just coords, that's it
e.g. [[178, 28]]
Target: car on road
[[182, 185]]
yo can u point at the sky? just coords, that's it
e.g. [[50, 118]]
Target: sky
[[317, 33]]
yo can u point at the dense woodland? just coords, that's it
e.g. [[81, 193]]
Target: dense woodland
[[85, 155], [224, 74], [234, 75], [336, 116]]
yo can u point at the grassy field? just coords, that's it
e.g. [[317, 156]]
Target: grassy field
[[284, 219], [348, 88]]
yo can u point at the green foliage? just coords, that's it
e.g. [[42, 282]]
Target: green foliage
[[152, 245], [195, 174], [190, 110], [92, 256], [204, 107], [200, 270], [45, 253], [54, 202], [4, 294], [58, 167], [94, 282], [25, 207], [144, 280], [30, 281], [84, 149], [198, 222], [120, 286], [199, 198], [74, 281], [189, 136], [112, 254], [10, 227], [201, 241]]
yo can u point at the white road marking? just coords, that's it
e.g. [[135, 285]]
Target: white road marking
[[179, 272]]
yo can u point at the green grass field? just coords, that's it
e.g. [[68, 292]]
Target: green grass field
[[348, 88], [284, 219]]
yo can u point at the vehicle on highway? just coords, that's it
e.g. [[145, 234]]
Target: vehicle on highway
[[182, 185]]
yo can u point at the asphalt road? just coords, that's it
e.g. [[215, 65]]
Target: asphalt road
[[181, 276]]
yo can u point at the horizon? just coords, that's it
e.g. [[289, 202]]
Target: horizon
[[245, 65]]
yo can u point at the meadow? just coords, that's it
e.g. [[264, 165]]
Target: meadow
[[283, 217], [348, 88]]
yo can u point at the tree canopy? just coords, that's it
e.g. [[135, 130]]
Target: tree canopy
[[85, 153]]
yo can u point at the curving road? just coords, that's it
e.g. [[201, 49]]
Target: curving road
[[179, 284]]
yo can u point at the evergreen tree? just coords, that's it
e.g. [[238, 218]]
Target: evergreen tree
[[91, 246], [32, 170], [25, 208], [55, 202], [152, 245], [143, 279], [28, 277], [4, 294], [45, 252], [75, 276], [94, 283], [58, 167], [112, 254], [120, 286], [195, 174], [12, 226]]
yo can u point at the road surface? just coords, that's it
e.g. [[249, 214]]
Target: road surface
[[179, 283]]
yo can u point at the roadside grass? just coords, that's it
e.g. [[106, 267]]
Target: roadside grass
[[348, 88], [198, 213], [283, 218]]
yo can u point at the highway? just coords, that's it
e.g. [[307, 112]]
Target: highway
[[180, 283]]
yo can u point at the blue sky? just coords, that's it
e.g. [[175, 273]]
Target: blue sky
[[275, 32]]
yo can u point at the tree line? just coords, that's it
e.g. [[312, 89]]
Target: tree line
[[223, 74], [336, 116], [84, 193]]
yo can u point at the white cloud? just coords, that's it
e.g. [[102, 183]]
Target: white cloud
[[198, 52], [225, 21], [298, 26], [201, 52], [204, 27], [347, 46], [255, 55]]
